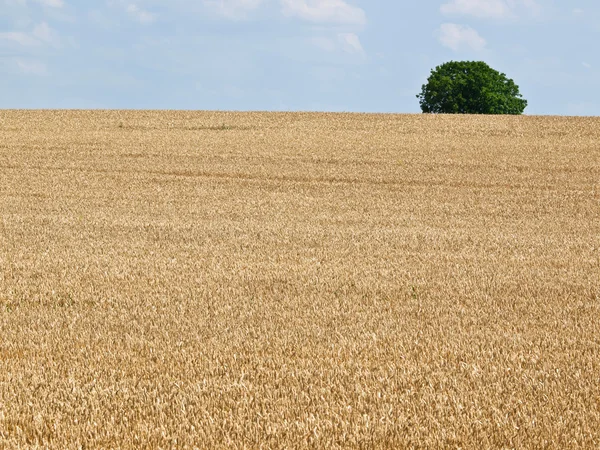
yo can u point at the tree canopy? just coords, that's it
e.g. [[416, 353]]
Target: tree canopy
[[470, 87]]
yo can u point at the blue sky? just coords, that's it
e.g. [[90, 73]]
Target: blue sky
[[324, 55]]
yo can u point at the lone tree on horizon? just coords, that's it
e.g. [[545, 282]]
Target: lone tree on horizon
[[470, 87]]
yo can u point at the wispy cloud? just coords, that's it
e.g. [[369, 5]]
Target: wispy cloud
[[351, 43], [477, 8], [19, 37], [40, 35], [52, 3], [131, 7], [324, 43], [48, 3], [346, 42], [458, 37], [489, 9], [45, 34], [316, 11], [139, 14], [32, 67], [325, 11], [233, 9]]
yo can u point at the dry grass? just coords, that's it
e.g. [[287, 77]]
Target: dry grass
[[178, 279]]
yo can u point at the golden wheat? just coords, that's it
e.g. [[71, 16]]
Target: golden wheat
[[261, 280]]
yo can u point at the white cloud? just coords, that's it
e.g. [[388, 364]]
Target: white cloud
[[32, 67], [586, 65], [140, 14], [326, 44], [346, 42], [477, 8], [457, 37], [317, 11], [351, 43], [132, 8], [532, 6], [45, 34], [41, 34], [21, 38], [335, 11], [48, 3], [489, 9], [233, 9], [52, 3]]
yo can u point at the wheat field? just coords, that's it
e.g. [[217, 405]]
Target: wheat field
[[298, 280]]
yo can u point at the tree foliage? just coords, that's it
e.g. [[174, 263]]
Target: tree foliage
[[470, 87]]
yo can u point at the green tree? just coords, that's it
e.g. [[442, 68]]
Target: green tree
[[470, 87]]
